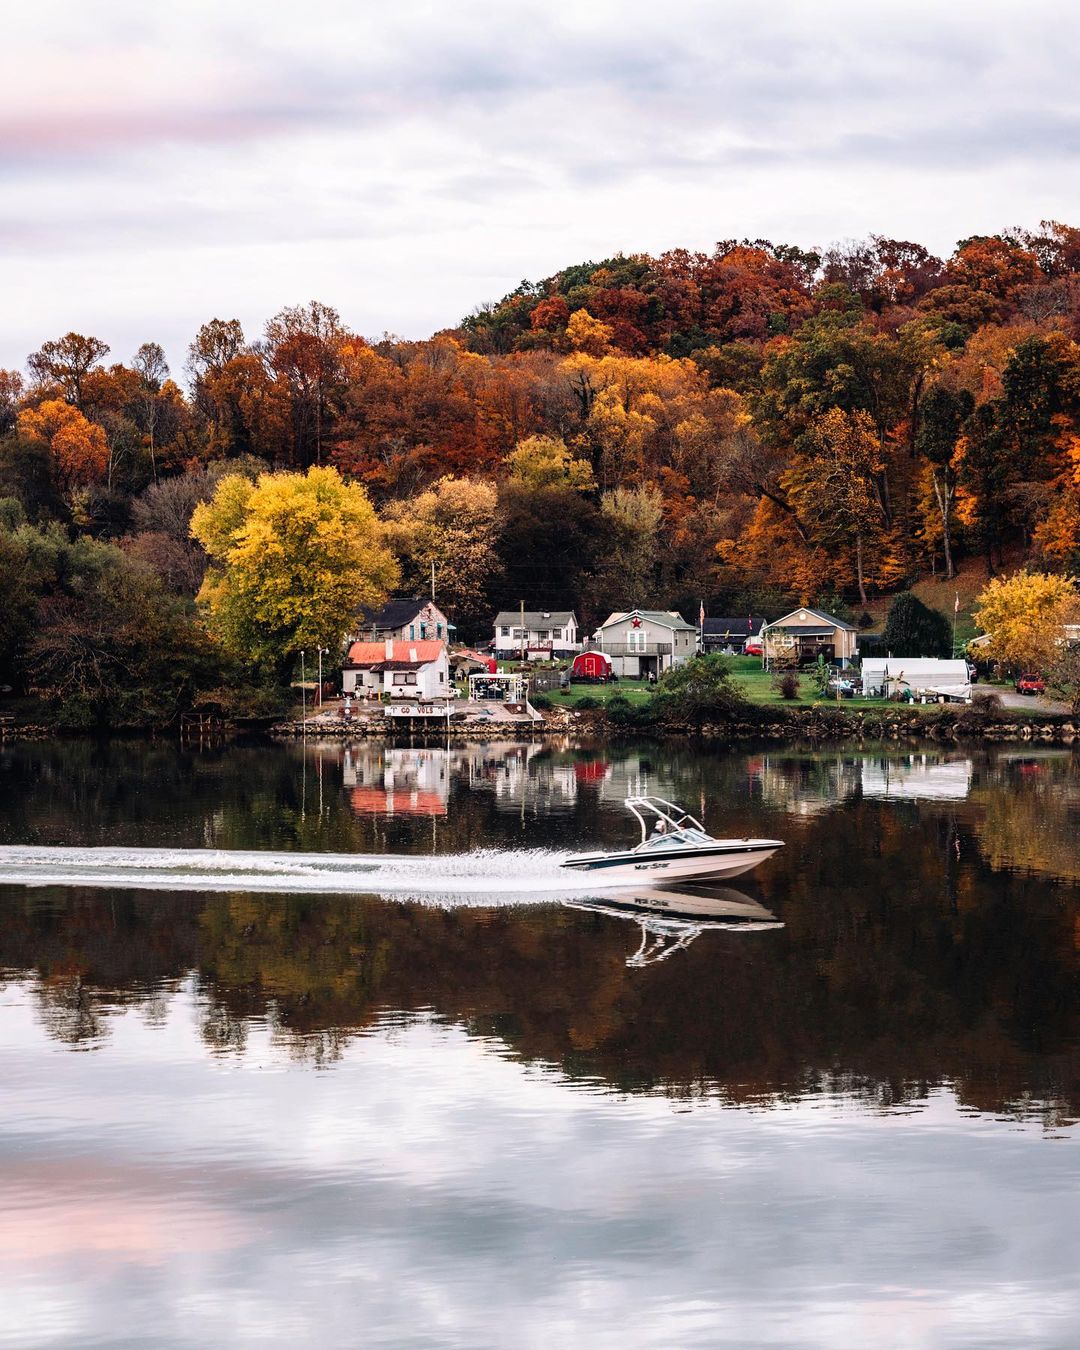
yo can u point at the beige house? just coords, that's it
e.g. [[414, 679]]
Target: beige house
[[646, 642], [805, 634]]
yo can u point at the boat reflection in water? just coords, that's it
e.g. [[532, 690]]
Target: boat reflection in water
[[671, 919]]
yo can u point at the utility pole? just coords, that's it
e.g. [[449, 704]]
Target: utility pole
[[523, 640]]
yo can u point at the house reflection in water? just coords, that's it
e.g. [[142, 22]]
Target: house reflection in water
[[803, 785], [806, 785], [919, 777], [522, 776], [519, 777], [396, 781]]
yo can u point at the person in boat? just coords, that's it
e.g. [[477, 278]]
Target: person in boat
[[659, 828]]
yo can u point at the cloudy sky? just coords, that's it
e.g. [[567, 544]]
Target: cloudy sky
[[165, 164]]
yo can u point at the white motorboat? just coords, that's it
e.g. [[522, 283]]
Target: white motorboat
[[674, 847]]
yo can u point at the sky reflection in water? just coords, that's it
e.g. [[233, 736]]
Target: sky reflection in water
[[301, 1120]]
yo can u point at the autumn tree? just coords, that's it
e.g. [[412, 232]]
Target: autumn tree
[[1063, 674], [215, 345], [627, 574], [11, 392], [303, 346], [293, 559], [1057, 537], [152, 369], [547, 461], [65, 363], [79, 449], [587, 334], [944, 413], [835, 487], [449, 532], [1023, 615]]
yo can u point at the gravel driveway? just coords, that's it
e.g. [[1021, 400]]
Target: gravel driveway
[[1029, 702]]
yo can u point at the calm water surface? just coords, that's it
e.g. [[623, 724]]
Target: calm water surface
[[239, 1108]]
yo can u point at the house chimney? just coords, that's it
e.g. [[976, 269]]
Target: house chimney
[[389, 649]]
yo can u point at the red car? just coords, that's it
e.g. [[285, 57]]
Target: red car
[[1031, 684], [752, 649]]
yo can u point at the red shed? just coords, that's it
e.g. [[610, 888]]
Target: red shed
[[591, 667]]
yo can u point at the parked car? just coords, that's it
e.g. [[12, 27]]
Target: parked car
[[1031, 684], [753, 649]]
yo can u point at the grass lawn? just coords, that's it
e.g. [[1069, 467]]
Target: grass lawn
[[757, 685], [754, 682], [636, 692]]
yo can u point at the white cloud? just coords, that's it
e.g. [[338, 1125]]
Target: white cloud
[[408, 162]]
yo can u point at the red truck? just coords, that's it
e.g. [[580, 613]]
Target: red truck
[[1031, 684]]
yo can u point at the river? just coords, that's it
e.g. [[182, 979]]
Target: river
[[303, 1046]]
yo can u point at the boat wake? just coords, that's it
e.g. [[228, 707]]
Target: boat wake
[[485, 877]]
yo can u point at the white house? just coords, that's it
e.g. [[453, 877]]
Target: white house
[[397, 672], [922, 676], [646, 642], [548, 635]]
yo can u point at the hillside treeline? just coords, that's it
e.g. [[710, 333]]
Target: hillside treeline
[[750, 427]]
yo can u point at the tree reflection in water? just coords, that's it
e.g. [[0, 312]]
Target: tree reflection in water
[[928, 900]]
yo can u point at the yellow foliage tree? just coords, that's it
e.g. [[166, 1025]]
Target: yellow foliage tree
[[586, 334], [293, 559], [632, 409], [547, 462], [452, 526], [1023, 615]]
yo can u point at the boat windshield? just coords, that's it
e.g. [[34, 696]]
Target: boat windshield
[[677, 839]]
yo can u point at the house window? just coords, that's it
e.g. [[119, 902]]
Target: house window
[[404, 677], [438, 630], [636, 639], [423, 631], [412, 631], [556, 635], [543, 634], [504, 632]]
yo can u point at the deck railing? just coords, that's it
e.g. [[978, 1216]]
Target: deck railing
[[631, 648]]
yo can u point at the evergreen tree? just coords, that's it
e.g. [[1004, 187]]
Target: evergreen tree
[[913, 629]]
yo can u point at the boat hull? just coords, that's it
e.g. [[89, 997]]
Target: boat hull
[[718, 906], [615, 869]]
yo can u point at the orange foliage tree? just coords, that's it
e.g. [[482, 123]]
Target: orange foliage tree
[[79, 448]]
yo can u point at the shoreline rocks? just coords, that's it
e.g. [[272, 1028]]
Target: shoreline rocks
[[795, 725]]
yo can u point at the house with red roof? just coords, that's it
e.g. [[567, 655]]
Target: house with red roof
[[397, 671]]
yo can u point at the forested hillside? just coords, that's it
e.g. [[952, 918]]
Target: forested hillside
[[748, 427]]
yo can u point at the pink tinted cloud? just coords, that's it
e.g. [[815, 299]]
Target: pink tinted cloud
[[105, 130]]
